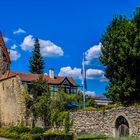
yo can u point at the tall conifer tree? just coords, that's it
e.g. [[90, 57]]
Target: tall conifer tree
[[36, 61]]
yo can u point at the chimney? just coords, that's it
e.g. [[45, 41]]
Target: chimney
[[51, 73]]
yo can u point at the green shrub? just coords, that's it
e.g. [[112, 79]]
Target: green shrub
[[25, 136], [5, 133], [124, 138], [67, 123], [37, 130], [19, 129], [15, 134], [90, 137], [90, 109], [50, 135], [56, 136], [38, 137]]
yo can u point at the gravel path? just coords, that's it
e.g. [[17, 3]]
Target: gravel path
[[3, 138]]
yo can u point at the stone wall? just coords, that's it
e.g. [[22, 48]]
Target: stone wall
[[104, 122], [12, 109]]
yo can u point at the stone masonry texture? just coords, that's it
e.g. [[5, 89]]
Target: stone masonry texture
[[103, 122], [12, 109]]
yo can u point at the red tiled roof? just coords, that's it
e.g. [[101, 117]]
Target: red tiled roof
[[32, 77], [8, 74]]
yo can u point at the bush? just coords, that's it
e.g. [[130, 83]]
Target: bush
[[57, 136], [50, 135], [124, 138], [5, 133], [67, 123], [37, 130], [90, 109], [99, 137], [37, 137], [19, 129], [25, 136]]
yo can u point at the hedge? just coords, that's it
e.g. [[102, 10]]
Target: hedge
[[100, 137], [55, 136], [25, 134]]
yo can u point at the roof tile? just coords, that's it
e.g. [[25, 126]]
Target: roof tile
[[32, 77]]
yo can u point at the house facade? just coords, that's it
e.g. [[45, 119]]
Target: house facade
[[12, 85]]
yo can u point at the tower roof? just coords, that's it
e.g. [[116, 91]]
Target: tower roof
[[4, 49]]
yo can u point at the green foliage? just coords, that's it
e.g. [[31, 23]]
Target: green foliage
[[121, 57], [59, 109], [19, 133], [41, 100], [99, 108], [136, 17], [14, 133], [90, 102], [90, 109], [67, 123], [25, 136], [36, 61], [38, 137], [19, 129], [5, 133], [26, 102], [91, 137], [25, 96], [57, 136], [37, 130], [22, 133], [124, 138]]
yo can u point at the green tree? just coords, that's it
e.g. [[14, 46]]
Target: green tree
[[36, 61], [121, 57], [40, 107], [90, 102], [59, 109]]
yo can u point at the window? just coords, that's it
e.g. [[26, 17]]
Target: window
[[51, 88], [67, 89], [73, 90], [54, 88]]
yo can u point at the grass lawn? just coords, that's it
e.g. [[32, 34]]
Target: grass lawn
[[124, 138]]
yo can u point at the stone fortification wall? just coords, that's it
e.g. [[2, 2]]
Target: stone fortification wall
[[104, 122], [12, 110]]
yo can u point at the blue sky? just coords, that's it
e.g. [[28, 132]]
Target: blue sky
[[66, 29]]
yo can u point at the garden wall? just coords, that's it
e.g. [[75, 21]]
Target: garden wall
[[105, 122]]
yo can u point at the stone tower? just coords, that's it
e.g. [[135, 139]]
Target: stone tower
[[4, 57]]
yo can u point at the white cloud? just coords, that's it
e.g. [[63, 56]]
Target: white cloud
[[76, 73], [6, 39], [47, 48], [91, 73], [69, 72], [28, 43], [90, 93], [93, 53], [103, 79], [19, 30], [96, 74], [14, 55], [14, 47]]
